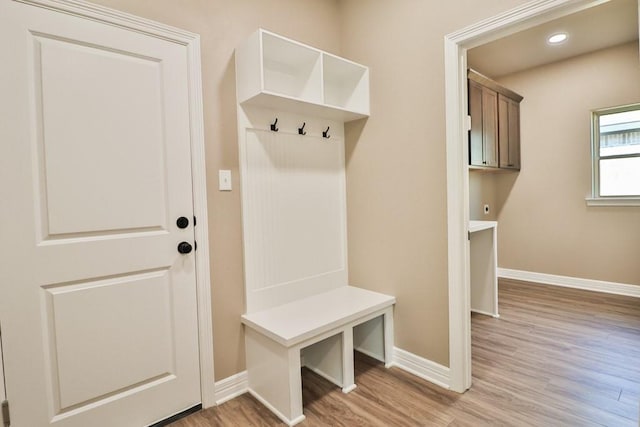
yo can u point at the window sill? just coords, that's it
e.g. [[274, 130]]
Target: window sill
[[613, 201]]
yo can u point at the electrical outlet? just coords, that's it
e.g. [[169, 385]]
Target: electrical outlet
[[486, 209]]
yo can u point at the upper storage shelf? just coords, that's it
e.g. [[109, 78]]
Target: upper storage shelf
[[275, 72]]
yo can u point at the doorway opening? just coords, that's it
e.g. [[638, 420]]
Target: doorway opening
[[456, 46]]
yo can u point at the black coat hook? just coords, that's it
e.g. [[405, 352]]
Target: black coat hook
[[325, 133], [273, 125], [301, 130]]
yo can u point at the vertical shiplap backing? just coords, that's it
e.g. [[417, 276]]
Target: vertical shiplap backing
[[294, 208]]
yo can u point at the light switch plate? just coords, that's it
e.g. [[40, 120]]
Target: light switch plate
[[224, 180]]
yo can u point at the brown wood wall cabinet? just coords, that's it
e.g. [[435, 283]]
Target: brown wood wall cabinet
[[494, 138]]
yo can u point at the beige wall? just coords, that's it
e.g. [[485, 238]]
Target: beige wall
[[544, 223], [482, 190], [396, 176], [223, 25], [396, 159]]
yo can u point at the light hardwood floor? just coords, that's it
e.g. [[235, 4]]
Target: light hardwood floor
[[555, 357]]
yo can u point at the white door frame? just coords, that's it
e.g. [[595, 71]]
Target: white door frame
[[455, 56], [191, 41]]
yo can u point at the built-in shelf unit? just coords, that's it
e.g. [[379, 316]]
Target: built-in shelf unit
[[279, 73], [293, 101]]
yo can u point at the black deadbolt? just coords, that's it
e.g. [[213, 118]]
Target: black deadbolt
[[184, 247], [182, 222]]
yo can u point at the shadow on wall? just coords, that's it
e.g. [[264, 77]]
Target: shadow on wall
[[225, 229], [504, 184], [352, 132], [227, 90]]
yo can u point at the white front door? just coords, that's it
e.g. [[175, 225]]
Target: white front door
[[97, 306]]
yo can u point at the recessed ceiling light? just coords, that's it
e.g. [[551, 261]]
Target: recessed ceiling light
[[557, 38]]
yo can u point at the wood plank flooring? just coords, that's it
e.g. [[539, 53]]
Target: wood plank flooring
[[555, 357]]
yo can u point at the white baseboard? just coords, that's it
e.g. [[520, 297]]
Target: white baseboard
[[231, 387], [275, 411], [571, 282], [349, 389], [486, 313], [238, 384], [421, 367]]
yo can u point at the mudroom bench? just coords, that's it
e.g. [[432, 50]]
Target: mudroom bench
[[319, 332], [292, 103]]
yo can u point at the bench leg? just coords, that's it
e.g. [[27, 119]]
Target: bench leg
[[274, 376], [295, 386], [348, 379], [388, 337]]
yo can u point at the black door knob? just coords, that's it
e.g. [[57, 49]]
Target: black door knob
[[182, 222], [184, 247]]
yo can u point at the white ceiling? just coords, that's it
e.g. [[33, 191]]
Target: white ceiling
[[599, 27]]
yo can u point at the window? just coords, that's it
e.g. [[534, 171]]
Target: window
[[616, 156]]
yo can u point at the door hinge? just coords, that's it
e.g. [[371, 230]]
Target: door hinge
[[6, 418], [468, 122], [468, 235]]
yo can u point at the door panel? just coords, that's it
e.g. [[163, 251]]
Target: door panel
[[98, 308], [134, 345], [115, 125]]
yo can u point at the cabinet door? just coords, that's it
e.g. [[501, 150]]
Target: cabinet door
[[483, 138], [514, 134], [509, 132], [490, 127], [475, 135]]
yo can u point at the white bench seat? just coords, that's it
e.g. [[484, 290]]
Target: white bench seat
[[322, 328], [297, 321]]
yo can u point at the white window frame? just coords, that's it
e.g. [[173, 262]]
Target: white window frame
[[596, 199]]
